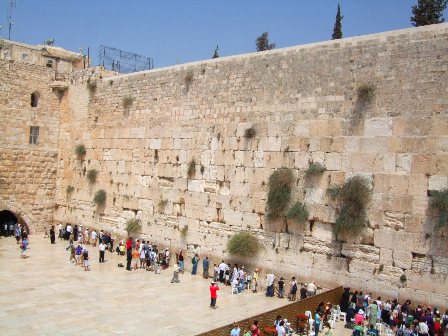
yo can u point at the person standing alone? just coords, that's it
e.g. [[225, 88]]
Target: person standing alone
[[213, 295], [102, 248], [52, 235]]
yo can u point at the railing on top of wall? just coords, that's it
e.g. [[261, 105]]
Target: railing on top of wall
[[289, 312]]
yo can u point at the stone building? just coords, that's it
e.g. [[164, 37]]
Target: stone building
[[143, 133]]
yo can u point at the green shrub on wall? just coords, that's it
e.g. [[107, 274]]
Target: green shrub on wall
[[70, 189], [191, 168], [315, 169], [80, 151], [439, 203], [354, 196], [100, 197], [92, 174], [249, 133], [244, 244], [366, 93], [279, 194], [298, 212], [128, 101], [133, 226]]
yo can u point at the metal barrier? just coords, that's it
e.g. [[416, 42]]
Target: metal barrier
[[289, 312]]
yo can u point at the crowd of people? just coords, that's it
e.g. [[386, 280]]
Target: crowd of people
[[364, 312]]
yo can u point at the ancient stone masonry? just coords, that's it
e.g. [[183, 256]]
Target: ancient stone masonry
[[375, 106]]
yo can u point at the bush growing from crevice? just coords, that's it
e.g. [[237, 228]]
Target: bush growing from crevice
[[250, 132], [188, 79], [128, 101], [183, 232], [353, 196], [191, 168], [315, 169], [279, 194], [244, 244], [100, 197], [366, 93], [70, 189], [91, 85], [439, 204], [298, 212], [133, 226], [162, 204], [80, 151], [91, 176]]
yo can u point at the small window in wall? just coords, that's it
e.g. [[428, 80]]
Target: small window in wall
[[34, 99], [34, 135], [25, 57], [49, 63]]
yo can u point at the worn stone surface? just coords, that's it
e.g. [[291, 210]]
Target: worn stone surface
[[302, 103]]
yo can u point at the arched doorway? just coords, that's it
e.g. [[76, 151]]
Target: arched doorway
[[8, 218]]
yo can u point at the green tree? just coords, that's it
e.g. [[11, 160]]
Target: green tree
[[262, 42], [337, 29], [215, 54], [428, 12]]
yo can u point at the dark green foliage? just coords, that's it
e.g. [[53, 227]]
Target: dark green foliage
[[428, 12], [250, 132], [80, 151], [92, 174], [262, 42], [279, 195], [315, 169], [70, 189], [215, 54], [128, 101], [298, 212], [91, 85], [191, 168], [439, 203], [403, 278], [100, 197], [184, 231], [133, 226], [188, 80], [337, 29], [244, 244], [354, 196], [366, 93]]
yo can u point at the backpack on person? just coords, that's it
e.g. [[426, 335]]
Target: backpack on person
[[294, 287], [356, 332]]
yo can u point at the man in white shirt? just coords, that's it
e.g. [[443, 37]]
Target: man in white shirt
[[270, 278], [94, 237], [311, 289], [222, 268], [102, 248]]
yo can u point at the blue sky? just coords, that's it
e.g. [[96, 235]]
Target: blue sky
[[178, 31]]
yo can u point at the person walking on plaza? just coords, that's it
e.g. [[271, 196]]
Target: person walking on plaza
[[255, 280], [213, 295], [85, 257], [281, 288], [23, 247], [270, 278], [311, 289], [128, 254], [52, 235], [303, 292], [293, 289], [205, 265], [135, 257], [175, 274], [102, 249], [181, 262], [194, 261]]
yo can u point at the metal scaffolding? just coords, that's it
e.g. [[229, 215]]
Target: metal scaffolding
[[122, 61]]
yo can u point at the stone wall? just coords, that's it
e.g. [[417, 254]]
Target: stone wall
[[142, 131]]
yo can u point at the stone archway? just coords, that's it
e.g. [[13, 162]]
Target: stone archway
[[21, 214]]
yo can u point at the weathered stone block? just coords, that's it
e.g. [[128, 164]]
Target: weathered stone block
[[402, 259]]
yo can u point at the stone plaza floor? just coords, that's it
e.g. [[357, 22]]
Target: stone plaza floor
[[45, 295]]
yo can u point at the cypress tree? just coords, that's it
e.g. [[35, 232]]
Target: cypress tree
[[428, 12], [216, 55], [337, 29], [262, 42]]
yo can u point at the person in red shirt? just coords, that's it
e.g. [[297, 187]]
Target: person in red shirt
[[213, 295], [128, 253]]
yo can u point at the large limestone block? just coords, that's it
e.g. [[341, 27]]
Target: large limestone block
[[386, 256], [423, 164], [365, 253], [403, 163], [311, 244], [361, 268], [323, 231], [402, 259], [421, 263], [378, 127], [440, 265], [406, 241], [438, 182]]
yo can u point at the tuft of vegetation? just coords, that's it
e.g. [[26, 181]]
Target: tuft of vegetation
[[80, 151], [366, 93], [100, 197], [262, 42], [133, 226], [354, 196], [183, 232], [128, 101], [191, 168], [162, 204], [250, 132], [92, 174], [188, 79], [337, 29], [439, 203], [428, 12], [70, 189], [244, 244], [403, 278], [315, 169], [215, 54], [298, 212], [91, 85], [279, 194]]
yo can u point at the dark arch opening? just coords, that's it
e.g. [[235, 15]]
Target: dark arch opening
[[34, 99], [8, 218]]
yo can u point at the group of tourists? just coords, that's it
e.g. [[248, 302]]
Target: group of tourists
[[20, 233], [364, 312]]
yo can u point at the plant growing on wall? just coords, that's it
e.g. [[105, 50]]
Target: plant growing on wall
[[92, 174], [162, 204], [315, 169], [183, 232], [70, 189], [354, 196], [128, 101], [188, 79], [191, 168], [298, 212], [100, 197], [133, 226], [439, 203], [279, 194], [244, 244], [80, 151], [366, 93], [91, 85], [250, 132]]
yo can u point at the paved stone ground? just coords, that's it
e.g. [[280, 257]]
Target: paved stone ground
[[46, 295]]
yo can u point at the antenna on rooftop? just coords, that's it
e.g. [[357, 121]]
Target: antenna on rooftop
[[12, 4]]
